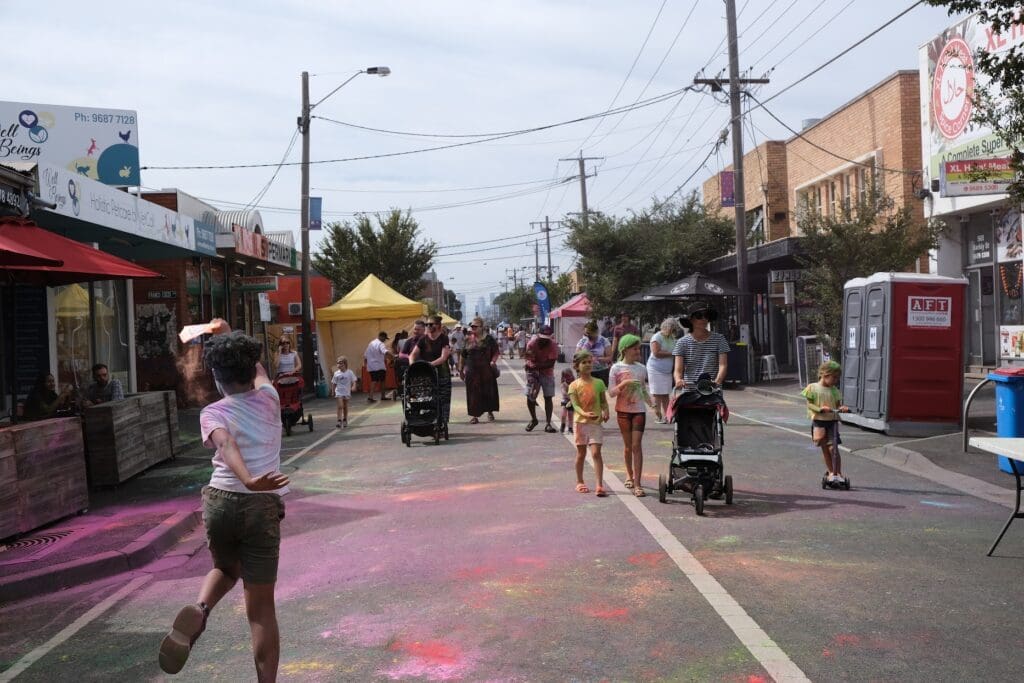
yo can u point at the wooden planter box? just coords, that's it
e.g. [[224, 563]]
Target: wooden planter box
[[42, 474], [123, 438]]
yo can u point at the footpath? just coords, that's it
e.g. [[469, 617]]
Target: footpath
[[133, 526]]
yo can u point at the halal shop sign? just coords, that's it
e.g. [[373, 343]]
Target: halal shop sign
[[929, 311]]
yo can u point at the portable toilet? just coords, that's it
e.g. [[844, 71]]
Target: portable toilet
[[853, 348], [909, 349]]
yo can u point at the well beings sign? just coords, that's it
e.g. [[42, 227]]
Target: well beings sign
[[100, 144]]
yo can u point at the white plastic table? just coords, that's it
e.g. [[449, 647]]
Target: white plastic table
[[1013, 450]]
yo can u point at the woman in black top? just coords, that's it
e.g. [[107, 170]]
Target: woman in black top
[[433, 347]]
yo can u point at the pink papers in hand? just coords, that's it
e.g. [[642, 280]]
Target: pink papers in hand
[[190, 332]]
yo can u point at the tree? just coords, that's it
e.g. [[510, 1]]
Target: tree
[[391, 250], [453, 306], [872, 237], [998, 104], [516, 304], [619, 256]]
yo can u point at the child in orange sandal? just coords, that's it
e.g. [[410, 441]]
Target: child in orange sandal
[[590, 410]]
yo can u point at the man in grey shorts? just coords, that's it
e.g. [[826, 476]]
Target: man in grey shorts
[[242, 506], [541, 356]]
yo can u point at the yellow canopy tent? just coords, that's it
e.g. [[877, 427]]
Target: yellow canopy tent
[[346, 327], [447, 319]]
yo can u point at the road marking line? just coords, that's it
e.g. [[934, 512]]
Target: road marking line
[[776, 662], [71, 629]]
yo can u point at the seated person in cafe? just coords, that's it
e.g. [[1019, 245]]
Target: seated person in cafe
[[43, 401], [103, 389]]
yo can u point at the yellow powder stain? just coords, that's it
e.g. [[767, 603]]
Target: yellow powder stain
[[304, 667]]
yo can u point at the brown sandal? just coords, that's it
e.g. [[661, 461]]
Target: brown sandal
[[638, 491], [629, 483]]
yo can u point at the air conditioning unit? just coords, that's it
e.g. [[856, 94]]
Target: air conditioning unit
[[295, 308]]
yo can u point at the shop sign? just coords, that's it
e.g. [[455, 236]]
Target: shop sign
[[264, 307], [161, 294], [793, 275], [281, 254], [975, 177], [12, 201], [78, 197], [99, 144], [979, 250], [249, 243], [206, 237], [255, 283], [929, 311], [1011, 341], [948, 81]]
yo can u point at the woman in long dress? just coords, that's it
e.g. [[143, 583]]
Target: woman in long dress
[[478, 367]]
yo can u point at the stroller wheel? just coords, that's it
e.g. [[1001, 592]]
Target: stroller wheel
[[309, 419], [728, 489], [662, 488], [437, 435], [698, 499], [846, 484], [288, 427], [446, 432]]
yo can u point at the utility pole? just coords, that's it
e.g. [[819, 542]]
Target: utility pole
[[583, 184], [545, 227], [547, 238], [536, 260], [308, 364], [735, 83]]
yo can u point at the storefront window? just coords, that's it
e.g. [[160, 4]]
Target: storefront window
[[1010, 274], [92, 327]]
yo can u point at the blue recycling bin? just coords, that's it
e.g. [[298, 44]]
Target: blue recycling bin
[[1009, 409]]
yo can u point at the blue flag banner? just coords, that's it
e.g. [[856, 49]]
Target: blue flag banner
[[541, 292], [315, 210]]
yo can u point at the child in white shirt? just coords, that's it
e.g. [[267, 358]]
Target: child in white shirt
[[343, 381]]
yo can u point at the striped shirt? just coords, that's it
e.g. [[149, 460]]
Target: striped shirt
[[700, 357]]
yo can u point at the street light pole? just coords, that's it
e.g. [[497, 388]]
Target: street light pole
[[308, 360]]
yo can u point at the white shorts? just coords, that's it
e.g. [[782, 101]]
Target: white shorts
[[586, 433], [345, 396]]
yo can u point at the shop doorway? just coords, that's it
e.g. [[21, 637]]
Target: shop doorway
[[981, 317]]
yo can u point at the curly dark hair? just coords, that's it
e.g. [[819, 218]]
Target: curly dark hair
[[232, 357]]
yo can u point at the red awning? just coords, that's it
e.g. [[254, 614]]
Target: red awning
[[81, 263]]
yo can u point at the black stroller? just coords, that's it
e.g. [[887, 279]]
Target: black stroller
[[696, 465], [421, 404]]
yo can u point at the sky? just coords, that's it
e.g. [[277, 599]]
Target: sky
[[215, 84]]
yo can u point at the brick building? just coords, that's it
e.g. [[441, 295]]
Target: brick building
[[871, 141]]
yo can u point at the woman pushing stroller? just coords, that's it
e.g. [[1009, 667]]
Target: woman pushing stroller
[[700, 351]]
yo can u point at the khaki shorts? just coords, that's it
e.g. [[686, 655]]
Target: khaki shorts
[[586, 433], [245, 529]]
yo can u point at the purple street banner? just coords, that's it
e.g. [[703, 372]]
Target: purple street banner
[[728, 185], [315, 212]]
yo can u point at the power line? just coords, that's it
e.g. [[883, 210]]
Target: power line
[[481, 137], [629, 73], [802, 43]]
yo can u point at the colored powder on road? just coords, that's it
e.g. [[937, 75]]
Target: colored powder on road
[[430, 660], [610, 613], [647, 559], [294, 668]]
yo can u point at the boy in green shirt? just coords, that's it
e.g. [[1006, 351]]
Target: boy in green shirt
[[824, 402]]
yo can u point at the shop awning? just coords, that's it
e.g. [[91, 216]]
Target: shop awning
[[81, 263], [14, 253]]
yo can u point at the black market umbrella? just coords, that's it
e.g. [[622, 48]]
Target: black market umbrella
[[696, 285]]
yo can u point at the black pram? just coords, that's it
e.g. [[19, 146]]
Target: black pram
[[421, 404], [696, 464]]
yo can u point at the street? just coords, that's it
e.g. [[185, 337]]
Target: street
[[476, 560]]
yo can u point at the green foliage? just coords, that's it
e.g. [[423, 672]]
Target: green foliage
[[391, 250], [874, 237], [620, 256], [1000, 105], [515, 304]]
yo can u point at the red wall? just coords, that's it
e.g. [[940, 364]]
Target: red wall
[[289, 290]]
